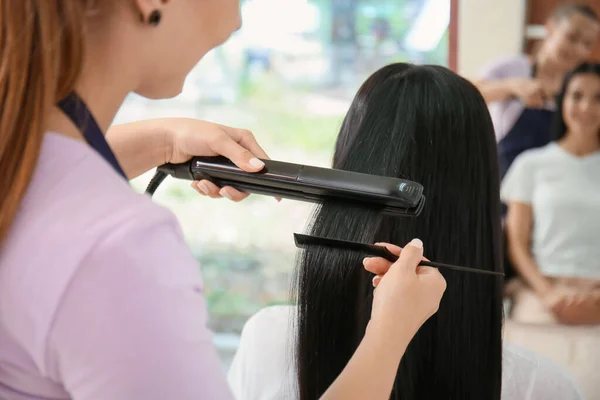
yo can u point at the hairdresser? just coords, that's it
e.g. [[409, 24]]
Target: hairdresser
[[100, 298], [520, 90]]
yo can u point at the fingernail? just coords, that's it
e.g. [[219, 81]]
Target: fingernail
[[366, 260], [202, 187], [417, 243], [256, 163], [376, 280], [226, 194]]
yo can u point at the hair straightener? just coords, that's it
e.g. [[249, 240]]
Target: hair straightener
[[304, 241], [302, 182]]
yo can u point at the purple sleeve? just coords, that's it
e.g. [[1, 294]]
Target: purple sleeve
[[132, 324], [508, 67]]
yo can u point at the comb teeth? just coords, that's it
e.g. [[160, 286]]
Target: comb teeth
[[302, 241]]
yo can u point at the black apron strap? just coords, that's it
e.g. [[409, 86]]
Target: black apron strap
[[76, 109]]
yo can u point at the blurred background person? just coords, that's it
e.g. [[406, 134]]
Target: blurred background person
[[553, 219], [521, 89]]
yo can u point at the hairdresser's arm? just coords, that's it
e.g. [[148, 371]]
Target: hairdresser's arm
[[519, 224], [141, 146], [371, 371], [406, 297]]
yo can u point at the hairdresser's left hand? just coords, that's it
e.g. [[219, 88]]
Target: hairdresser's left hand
[[191, 137], [380, 266]]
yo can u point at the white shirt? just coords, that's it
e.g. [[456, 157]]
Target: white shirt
[[263, 367], [564, 192]]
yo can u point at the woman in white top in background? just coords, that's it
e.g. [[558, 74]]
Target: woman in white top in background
[[553, 230], [553, 220]]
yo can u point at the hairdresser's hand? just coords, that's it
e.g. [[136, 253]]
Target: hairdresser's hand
[[191, 137], [529, 91], [406, 295]]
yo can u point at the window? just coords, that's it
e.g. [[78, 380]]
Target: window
[[290, 80]]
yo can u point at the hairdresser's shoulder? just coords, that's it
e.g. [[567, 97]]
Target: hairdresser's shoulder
[[273, 320], [74, 186], [77, 213], [527, 373], [508, 66], [98, 214], [76, 202]]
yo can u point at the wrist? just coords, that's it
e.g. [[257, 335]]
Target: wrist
[[396, 333], [158, 134], [141, 146], [168, 139], [541, 286]]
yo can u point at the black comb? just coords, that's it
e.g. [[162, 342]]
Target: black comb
[[371, 250]]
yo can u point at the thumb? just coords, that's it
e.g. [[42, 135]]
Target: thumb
[[410, 257]]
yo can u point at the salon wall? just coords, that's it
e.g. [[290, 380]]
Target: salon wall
[[488, 30]]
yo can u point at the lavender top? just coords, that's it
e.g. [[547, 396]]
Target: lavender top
[[100, 298], [506, 113]]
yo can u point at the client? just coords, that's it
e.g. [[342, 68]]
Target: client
[[426, 124]]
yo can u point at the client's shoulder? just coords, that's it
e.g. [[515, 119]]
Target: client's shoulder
[[269, 331], [273, 321], [263, 366], [526, 373]]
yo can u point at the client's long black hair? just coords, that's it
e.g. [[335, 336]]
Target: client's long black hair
[[426, 124]]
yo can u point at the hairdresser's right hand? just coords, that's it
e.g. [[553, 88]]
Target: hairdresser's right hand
[[529, 91], [406, 295], [192, 137]]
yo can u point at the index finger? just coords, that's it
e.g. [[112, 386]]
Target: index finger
[[391, 247], [248, 141], [394, 249], [229, 145], [409, 258], [379, 265]]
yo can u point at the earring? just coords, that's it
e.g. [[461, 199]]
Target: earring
[[154, 18]]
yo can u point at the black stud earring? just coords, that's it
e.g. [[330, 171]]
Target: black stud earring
[[155, 17]]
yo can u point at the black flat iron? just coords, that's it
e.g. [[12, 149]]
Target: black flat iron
[[302, 182]]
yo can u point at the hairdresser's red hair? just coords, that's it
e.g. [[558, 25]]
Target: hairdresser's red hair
[[41, 54]]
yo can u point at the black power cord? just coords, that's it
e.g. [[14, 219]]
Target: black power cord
[[157, 179]]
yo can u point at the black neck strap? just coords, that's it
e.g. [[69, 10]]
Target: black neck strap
[[76, 109]]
